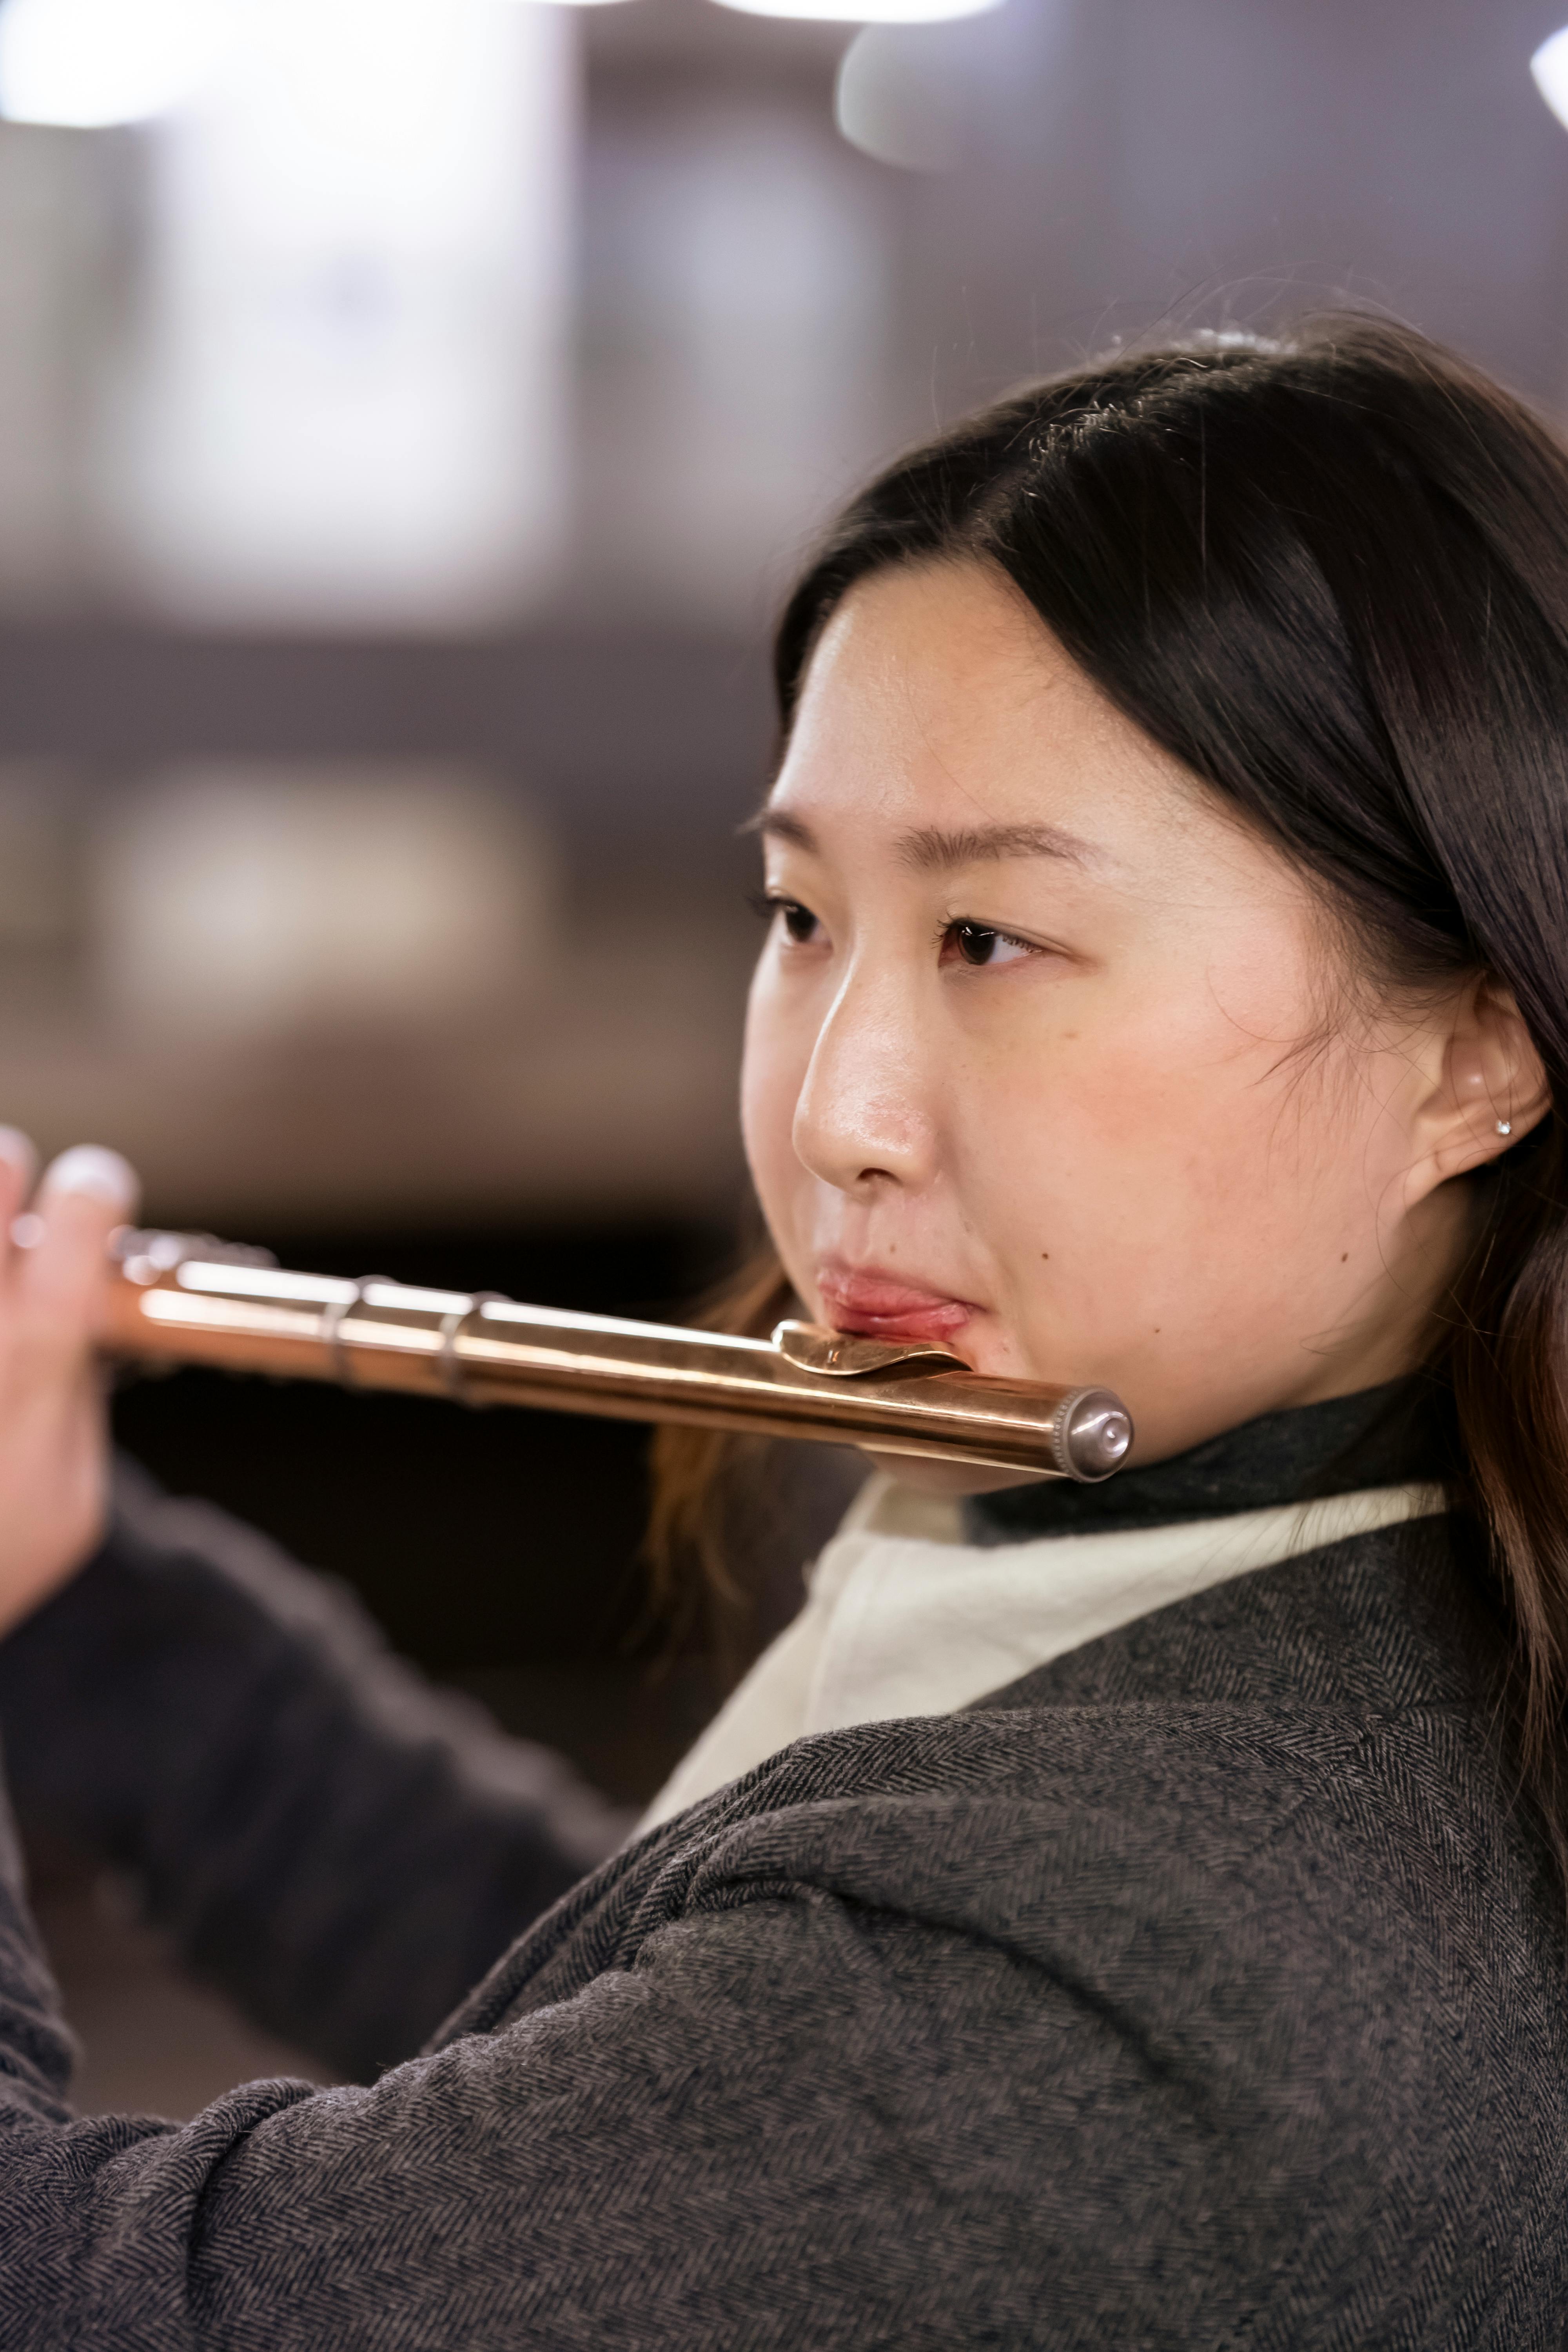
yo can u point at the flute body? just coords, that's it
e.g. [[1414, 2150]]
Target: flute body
[[184, 1299]]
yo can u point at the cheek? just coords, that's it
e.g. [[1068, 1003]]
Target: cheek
[[1150, 1154], [773, 1072]]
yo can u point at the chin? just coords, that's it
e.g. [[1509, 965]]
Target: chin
[[948, 1478]]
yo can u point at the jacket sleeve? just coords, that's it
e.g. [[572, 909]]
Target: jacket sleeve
[[339, 1846], [777, 2118]]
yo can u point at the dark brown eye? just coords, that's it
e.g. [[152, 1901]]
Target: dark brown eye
[[979, 944], [798, 921], [975, 943]]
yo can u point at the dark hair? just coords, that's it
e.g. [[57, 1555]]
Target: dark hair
[[1330, 574]]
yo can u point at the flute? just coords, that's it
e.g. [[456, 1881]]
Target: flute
[[180, 1298]]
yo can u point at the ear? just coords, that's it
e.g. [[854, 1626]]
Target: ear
[[1489, 1089]]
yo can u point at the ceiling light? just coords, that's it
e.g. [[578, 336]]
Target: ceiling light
[[88, 63], [899, 97], [1550, 68], [865, 12]]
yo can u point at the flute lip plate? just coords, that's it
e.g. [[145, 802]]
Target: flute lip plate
[[844, 1355]]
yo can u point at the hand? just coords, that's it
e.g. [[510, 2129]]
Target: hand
[[54, 1437]]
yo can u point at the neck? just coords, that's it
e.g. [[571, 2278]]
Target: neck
[[1389, 1332]]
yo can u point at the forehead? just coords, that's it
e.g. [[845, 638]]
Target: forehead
[[937, 697]]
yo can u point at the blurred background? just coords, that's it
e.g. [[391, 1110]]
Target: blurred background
[[411, 412]]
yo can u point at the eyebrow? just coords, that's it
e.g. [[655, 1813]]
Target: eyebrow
[[933, 851]]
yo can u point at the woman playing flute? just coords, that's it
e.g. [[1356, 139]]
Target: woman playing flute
[[1127, 1914]]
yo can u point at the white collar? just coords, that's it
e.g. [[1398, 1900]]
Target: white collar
[[902, 1617]]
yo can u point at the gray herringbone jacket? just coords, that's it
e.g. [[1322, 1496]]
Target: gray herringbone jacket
[[1204, 1989]]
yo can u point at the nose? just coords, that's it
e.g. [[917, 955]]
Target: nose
[[863, 1119]]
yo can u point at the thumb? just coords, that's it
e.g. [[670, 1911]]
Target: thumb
[[84, 1195]]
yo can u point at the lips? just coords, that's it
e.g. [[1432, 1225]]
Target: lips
[[876, 1306]]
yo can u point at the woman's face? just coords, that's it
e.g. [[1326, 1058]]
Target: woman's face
[[1040, 1057]]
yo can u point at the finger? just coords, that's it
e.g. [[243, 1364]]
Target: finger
[[18, 1162], [84, 1195]]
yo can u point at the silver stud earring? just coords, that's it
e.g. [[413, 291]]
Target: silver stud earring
[[1505, 1127]]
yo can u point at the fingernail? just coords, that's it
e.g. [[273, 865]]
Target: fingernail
[[101, 1174], [17, 1149]]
